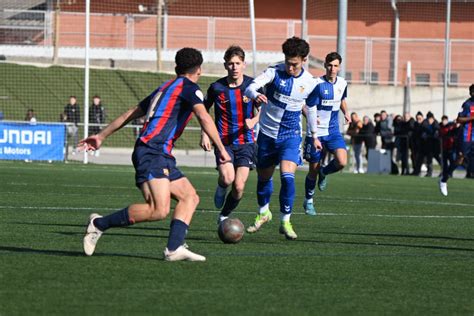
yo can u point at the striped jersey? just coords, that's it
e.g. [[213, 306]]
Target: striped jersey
[[231, 109], [280, 118], [467, 110], [328, 96], [169, 109]]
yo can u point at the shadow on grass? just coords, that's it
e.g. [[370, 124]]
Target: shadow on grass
[[137, 227], [399, 235], [67, 253], [381, 244]]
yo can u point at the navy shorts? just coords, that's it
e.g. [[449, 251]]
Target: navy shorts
[[241, 155], [270, 152], [330, 144], [467, 149], [151, 165]]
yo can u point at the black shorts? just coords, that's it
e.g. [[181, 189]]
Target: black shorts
[[151, 165], [241, 155]]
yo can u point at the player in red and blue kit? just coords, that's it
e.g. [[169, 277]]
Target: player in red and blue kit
[[168, 110], [234, 118]]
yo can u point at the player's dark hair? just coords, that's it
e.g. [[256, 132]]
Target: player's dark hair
[[419, 113], [471, 89], [72, 96], [187, 60], [444, 117], [232, 51], [429, 115], [333, 56], [295, 47], [96, 96]]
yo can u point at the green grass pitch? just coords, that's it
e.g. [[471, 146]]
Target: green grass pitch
[[381, 245]]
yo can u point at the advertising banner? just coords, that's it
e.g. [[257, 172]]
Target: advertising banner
[[32, 141]]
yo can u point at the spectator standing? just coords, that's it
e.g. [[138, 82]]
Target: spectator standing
[[72, 115], [367, 133], [409, 126], [356, 141], [430, 134], [417, 143], [384, 129], [96, 117], [400, 131]]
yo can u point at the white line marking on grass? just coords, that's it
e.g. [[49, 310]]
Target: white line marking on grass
[[69, 208]]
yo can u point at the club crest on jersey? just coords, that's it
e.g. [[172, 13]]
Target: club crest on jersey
[[283, 83], [326, 91], [302, 89], [166, 172], [245, 99]]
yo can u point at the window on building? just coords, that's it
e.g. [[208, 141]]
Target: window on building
[[422, 79]]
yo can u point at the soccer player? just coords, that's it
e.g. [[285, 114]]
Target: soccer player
[[466, 118], [234, 118], [330, 97], [287, 87], [168, 110]]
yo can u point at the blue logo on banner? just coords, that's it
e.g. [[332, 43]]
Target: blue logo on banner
[[41, 141]]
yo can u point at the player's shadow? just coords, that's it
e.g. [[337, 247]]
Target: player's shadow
[[67, 253], [385, 244], [399, 236], [129, 235], [84, 226]]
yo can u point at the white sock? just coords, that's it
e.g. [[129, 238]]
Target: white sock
[[285, 217], [263, 209], [309, 201]]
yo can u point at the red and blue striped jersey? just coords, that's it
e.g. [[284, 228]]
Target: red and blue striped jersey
[[231, 109], [169, 109], [467, 110]]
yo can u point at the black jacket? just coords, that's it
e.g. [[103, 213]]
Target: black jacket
[[73, 113]]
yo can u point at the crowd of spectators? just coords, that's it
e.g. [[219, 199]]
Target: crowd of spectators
[[412, 142]]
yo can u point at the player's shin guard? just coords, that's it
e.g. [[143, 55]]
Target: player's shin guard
[[309, 186], [231, 204], [117, 219], [331, 167], [178, 231], [287, 194], [264, 191]]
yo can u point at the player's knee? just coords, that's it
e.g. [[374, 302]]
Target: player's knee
[[226, 179], [239, 187], [159, 214], [342, 163], [193, 199]]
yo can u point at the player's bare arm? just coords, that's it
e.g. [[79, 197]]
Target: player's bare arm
[[94, 142], [205, 142], [344, 110], [251, 122]]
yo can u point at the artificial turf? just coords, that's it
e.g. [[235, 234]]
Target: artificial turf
[[379, 245]]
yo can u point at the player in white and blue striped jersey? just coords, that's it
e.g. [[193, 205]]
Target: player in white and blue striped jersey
[[287, 87], [330, 96]]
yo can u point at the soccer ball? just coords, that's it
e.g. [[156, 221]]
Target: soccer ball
[[231, 230]]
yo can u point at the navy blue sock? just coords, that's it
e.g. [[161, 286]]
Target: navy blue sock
[[309, 185], [178, 230], [117, 219], [331, 167], [230, 204], [264, 191], [287, 192]]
